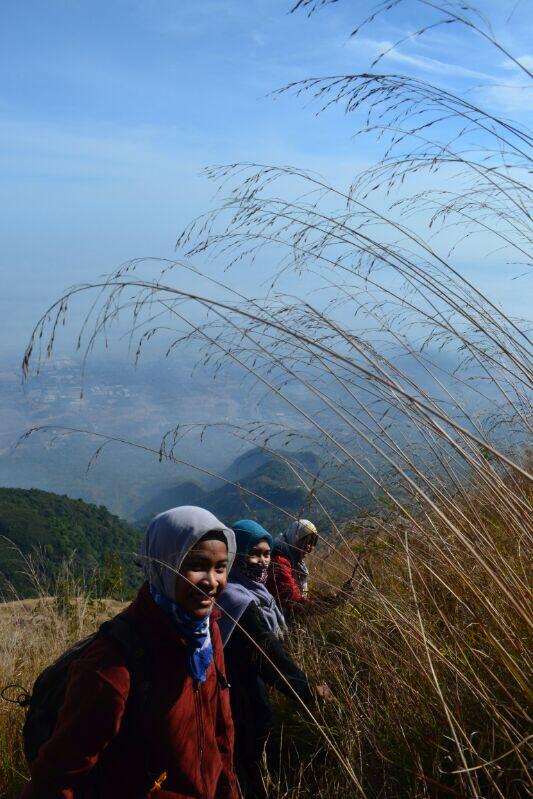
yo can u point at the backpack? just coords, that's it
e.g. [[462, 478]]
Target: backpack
[[49, 689]]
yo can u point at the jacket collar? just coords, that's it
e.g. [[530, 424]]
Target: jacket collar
[[287, 551], [155, 621]]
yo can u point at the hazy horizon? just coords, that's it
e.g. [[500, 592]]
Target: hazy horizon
[[111, 110]]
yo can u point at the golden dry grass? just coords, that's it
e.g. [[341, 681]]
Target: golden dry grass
[[33, 632], [428, 657]]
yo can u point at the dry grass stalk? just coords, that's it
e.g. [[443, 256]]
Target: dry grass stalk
[[429, 655]]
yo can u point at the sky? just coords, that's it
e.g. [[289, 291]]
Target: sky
[[110, 109]]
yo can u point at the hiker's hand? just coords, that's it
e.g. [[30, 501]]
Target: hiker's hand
[[348, 585], [324, 692], [346, 591]]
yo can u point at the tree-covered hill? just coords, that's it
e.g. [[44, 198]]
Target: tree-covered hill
[[52, 528], [262, 486]]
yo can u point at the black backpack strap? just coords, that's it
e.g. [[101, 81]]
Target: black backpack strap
[[222, 681], [124, 632]]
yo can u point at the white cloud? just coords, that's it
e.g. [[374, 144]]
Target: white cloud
[[525, 60], [509, 98], [495, 93], [258, 39], [419, 62]]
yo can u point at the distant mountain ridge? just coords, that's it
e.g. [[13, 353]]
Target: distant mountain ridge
[[259, 476], [266, 485]]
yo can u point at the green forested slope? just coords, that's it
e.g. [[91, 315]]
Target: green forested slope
[[52, 528]]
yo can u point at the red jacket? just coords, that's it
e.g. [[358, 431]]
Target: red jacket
[[282, 585], [184, 732]]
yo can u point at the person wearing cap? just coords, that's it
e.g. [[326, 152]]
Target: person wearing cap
[[179, 745], [252, 626], [288, 573]]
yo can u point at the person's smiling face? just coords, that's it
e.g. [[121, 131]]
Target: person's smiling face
[[259, 553], [307, 543], [202, 577]]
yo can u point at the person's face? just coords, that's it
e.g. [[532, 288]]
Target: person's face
[[259, 553], [202, 577], [307, 543]]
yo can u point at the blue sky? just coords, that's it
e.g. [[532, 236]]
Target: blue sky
[[109, 110]]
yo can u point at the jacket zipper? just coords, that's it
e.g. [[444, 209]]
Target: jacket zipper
[[201, 733]]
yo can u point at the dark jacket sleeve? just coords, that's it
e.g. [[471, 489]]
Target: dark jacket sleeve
[[88, 720], [275, 659], [227, 786]]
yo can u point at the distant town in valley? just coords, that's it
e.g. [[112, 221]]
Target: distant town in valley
[[135, 404]]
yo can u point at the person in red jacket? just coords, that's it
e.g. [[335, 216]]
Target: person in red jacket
[[181, 745], [288, 573]]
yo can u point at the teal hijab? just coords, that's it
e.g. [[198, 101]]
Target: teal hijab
[[248, 533], [243, 589]]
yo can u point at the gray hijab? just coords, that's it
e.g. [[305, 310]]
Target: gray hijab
[[168, 539]]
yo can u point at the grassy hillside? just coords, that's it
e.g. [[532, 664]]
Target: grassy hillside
[[33, 632], [427, 656], [50, 529]]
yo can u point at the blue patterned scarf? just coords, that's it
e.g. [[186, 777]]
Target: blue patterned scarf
[[196, 633]]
